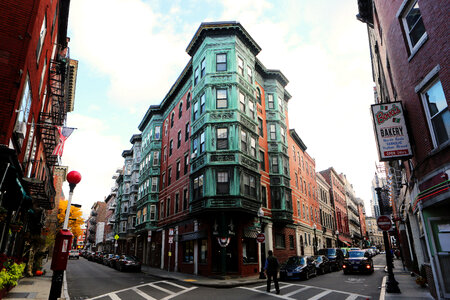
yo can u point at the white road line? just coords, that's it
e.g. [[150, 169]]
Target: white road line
[[176, 285], [142, 294], [161, 288], [113, 296], [179, 293], [261, 286], [297, 291], [318, 296], [343, 292], [265, 293], [285, 285], [123, 290], [352, 297]]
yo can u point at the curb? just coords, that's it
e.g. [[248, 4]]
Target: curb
[[65, 291], [383, 289]]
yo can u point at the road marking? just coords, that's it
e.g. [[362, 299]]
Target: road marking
[[179, 293], [352, 297], [142, 294], [266, 293], [114, 296], [318, 296], [161, 288], [297, 291]]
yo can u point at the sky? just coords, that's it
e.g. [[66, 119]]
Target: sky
[[130, 53]]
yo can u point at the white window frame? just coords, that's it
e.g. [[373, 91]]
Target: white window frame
[[403, 11]]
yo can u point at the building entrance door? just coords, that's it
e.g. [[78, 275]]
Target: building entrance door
[[231, 256]]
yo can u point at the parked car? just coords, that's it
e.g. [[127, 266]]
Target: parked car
[[127, 263], [358, 261], [107, 258], [297, 267], [335, 255], [113, 261], [74, 254], [98, 257], [323, 264], [377, 251]]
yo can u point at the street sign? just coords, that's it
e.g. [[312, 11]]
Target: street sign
[[170, 239], [260, 238], [116, 237], [170, 231], [384, 223]]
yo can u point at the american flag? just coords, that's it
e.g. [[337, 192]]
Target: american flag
[[64, 133]]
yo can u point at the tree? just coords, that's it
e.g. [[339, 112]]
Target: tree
[[75, 219]]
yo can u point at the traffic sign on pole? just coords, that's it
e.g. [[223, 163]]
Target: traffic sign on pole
[[260, 238], [384, 223]]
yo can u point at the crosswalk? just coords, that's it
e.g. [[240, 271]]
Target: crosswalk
[[292, 291], [159, 290]]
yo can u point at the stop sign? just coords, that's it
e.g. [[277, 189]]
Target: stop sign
[[384, 223], [260, 238]]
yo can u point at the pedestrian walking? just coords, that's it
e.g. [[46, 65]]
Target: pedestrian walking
[[271, 269]]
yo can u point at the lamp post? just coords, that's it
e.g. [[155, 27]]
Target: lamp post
[[391, 283], [263, 256], [315, 239], [62, 243], [337, 238]]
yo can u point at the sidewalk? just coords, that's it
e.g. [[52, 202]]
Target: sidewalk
[[407, 285]]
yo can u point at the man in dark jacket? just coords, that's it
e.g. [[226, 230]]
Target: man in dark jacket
[[271, 268]]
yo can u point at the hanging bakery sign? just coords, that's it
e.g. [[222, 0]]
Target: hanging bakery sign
[[391, 132]]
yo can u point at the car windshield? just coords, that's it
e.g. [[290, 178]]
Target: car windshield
[[329, 252], [296, 260], [356, 254], [318, 258]]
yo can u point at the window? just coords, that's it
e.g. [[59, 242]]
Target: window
[[196, 75], [413, 26], [437, 112], [169, 176], [262, 160], [203, 67], [188, 251], [195, 114], [251, 107], [179, 139], [221, 98], [198, 187], [162, 209], [240, 66], [194, 145], [186, 132], [202, 103], [163, 180], [42, 34], [273, 132], [172, 119], [296, 180], [20, 128], [253, 146], [221, 62], [249, 74], [223, 183], [243, 141], [270, 103], [291, 242], [264, 196], [203, 251], [170, 147], [168, 207], [280, 242], [280, 105], [186, 163], [286, 167], [242, 101], [180, 110], [222, 138], [178, 170], [249, 251], [44, 69], [202, 142], [258, 95], [177, 200], [152, 212], [260, 127], [275, 168], [157, 132], [185, 199], [188, 101], [165, 153], [283, 134], [154, 184]]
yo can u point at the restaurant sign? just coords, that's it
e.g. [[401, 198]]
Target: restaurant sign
[[390, 130]]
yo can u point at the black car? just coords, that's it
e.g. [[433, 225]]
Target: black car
[[323, 264], [335, 255], [297, 267], [358, 261], [127, 263], [107, 258]]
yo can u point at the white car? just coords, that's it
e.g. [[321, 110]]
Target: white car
[[74, 254]]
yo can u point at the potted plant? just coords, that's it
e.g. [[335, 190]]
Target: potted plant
[[10, 273]]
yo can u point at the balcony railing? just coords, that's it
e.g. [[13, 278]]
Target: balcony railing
[[42, 189]]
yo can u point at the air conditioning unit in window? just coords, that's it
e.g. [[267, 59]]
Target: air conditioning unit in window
[[20, 129]]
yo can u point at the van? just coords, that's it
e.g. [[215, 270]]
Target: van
[[335, 255]]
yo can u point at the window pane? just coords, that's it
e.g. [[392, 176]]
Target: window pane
[[221, 58], [222, 133]]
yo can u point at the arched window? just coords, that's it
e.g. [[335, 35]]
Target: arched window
[[180, 110], [188, 101]]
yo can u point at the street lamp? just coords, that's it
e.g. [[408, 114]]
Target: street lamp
[[315, 239], [337, 238], [391, 283], [62, 243], [263, 256]]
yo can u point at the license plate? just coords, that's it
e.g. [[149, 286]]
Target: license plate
[[289, 274], [355, 267]]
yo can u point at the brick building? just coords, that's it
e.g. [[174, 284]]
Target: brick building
[[37, 86], [326, 212], [409, 47]]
